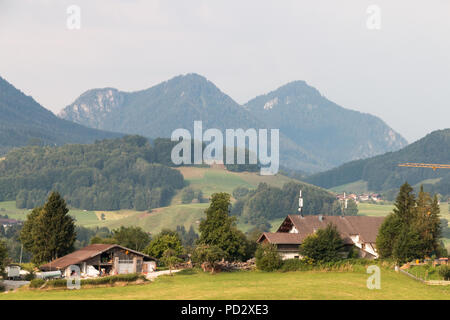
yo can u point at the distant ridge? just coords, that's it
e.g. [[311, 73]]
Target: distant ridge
[[316, 134], [23, 121], [382, 172]]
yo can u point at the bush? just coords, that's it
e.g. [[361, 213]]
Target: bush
[[296, 265], [306, 264], [37, 283], [62, 283], [30, 276], [444, 272], [131, 277], [209, 255], [325, 245], [267, 258]]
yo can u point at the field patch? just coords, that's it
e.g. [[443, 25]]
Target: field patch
[[358, 187]]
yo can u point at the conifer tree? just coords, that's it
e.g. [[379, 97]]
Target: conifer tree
[[49, 232]]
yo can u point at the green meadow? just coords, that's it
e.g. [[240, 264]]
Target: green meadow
[[191, 284]]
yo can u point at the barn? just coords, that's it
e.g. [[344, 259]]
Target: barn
[[103, 259]]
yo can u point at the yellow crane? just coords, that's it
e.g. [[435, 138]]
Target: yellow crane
[[433, 166]]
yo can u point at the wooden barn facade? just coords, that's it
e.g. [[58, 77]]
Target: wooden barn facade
[[103, 259]]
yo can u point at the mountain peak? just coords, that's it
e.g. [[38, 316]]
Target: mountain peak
[[22, 120]]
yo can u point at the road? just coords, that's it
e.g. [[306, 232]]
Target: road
[[9, 284]]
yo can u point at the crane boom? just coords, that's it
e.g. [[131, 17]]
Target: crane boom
[[433, 166]]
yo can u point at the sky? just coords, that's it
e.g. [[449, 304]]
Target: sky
[[393, 62]]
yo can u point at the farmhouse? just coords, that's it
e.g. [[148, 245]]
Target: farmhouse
[[6, 223], [103, 259], [358, 231]]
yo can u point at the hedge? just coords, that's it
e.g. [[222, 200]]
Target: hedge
[[339, 265], [62, 283]]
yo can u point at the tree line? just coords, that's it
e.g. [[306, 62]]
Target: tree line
[[413, 230], [268, 202], [125, 173]]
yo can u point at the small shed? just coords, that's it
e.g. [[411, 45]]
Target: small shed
[[107, 259], [13, 271]]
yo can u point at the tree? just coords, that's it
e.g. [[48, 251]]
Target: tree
[[267, 257], [165, 240], [352, 208], [131, 237], [413, 230], [427, 223], [408, 245], [323, 246], [3, 257], [388, 232], [209, 254], [49, 232], [170, 258], [405, 203], [188, 238], [219, 229]]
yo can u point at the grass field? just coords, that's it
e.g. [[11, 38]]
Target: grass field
[[254, 285], [211, 180], [377, 210], [358, 187]]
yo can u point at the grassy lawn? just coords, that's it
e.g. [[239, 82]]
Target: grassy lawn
[[426, 272], [255, 285]]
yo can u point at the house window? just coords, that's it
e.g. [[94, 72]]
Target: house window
[[296, 257]]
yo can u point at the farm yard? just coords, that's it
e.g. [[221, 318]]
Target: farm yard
[[302, 285]]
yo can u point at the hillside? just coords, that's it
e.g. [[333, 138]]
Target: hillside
[[317, 124], [382, 173], [23, 121], [123, 173], [206, 180], [178, 102]]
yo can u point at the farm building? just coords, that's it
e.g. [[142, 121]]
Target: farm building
[[358, 231], [103, 259]]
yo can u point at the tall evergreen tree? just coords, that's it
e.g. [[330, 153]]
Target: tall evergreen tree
[[405, 203], [49, 232], [413, 230]]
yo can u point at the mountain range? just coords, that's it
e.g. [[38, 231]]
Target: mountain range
[[23, 121], [382, 173], [315, 133]]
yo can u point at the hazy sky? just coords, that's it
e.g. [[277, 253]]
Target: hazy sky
[[400, 72]]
